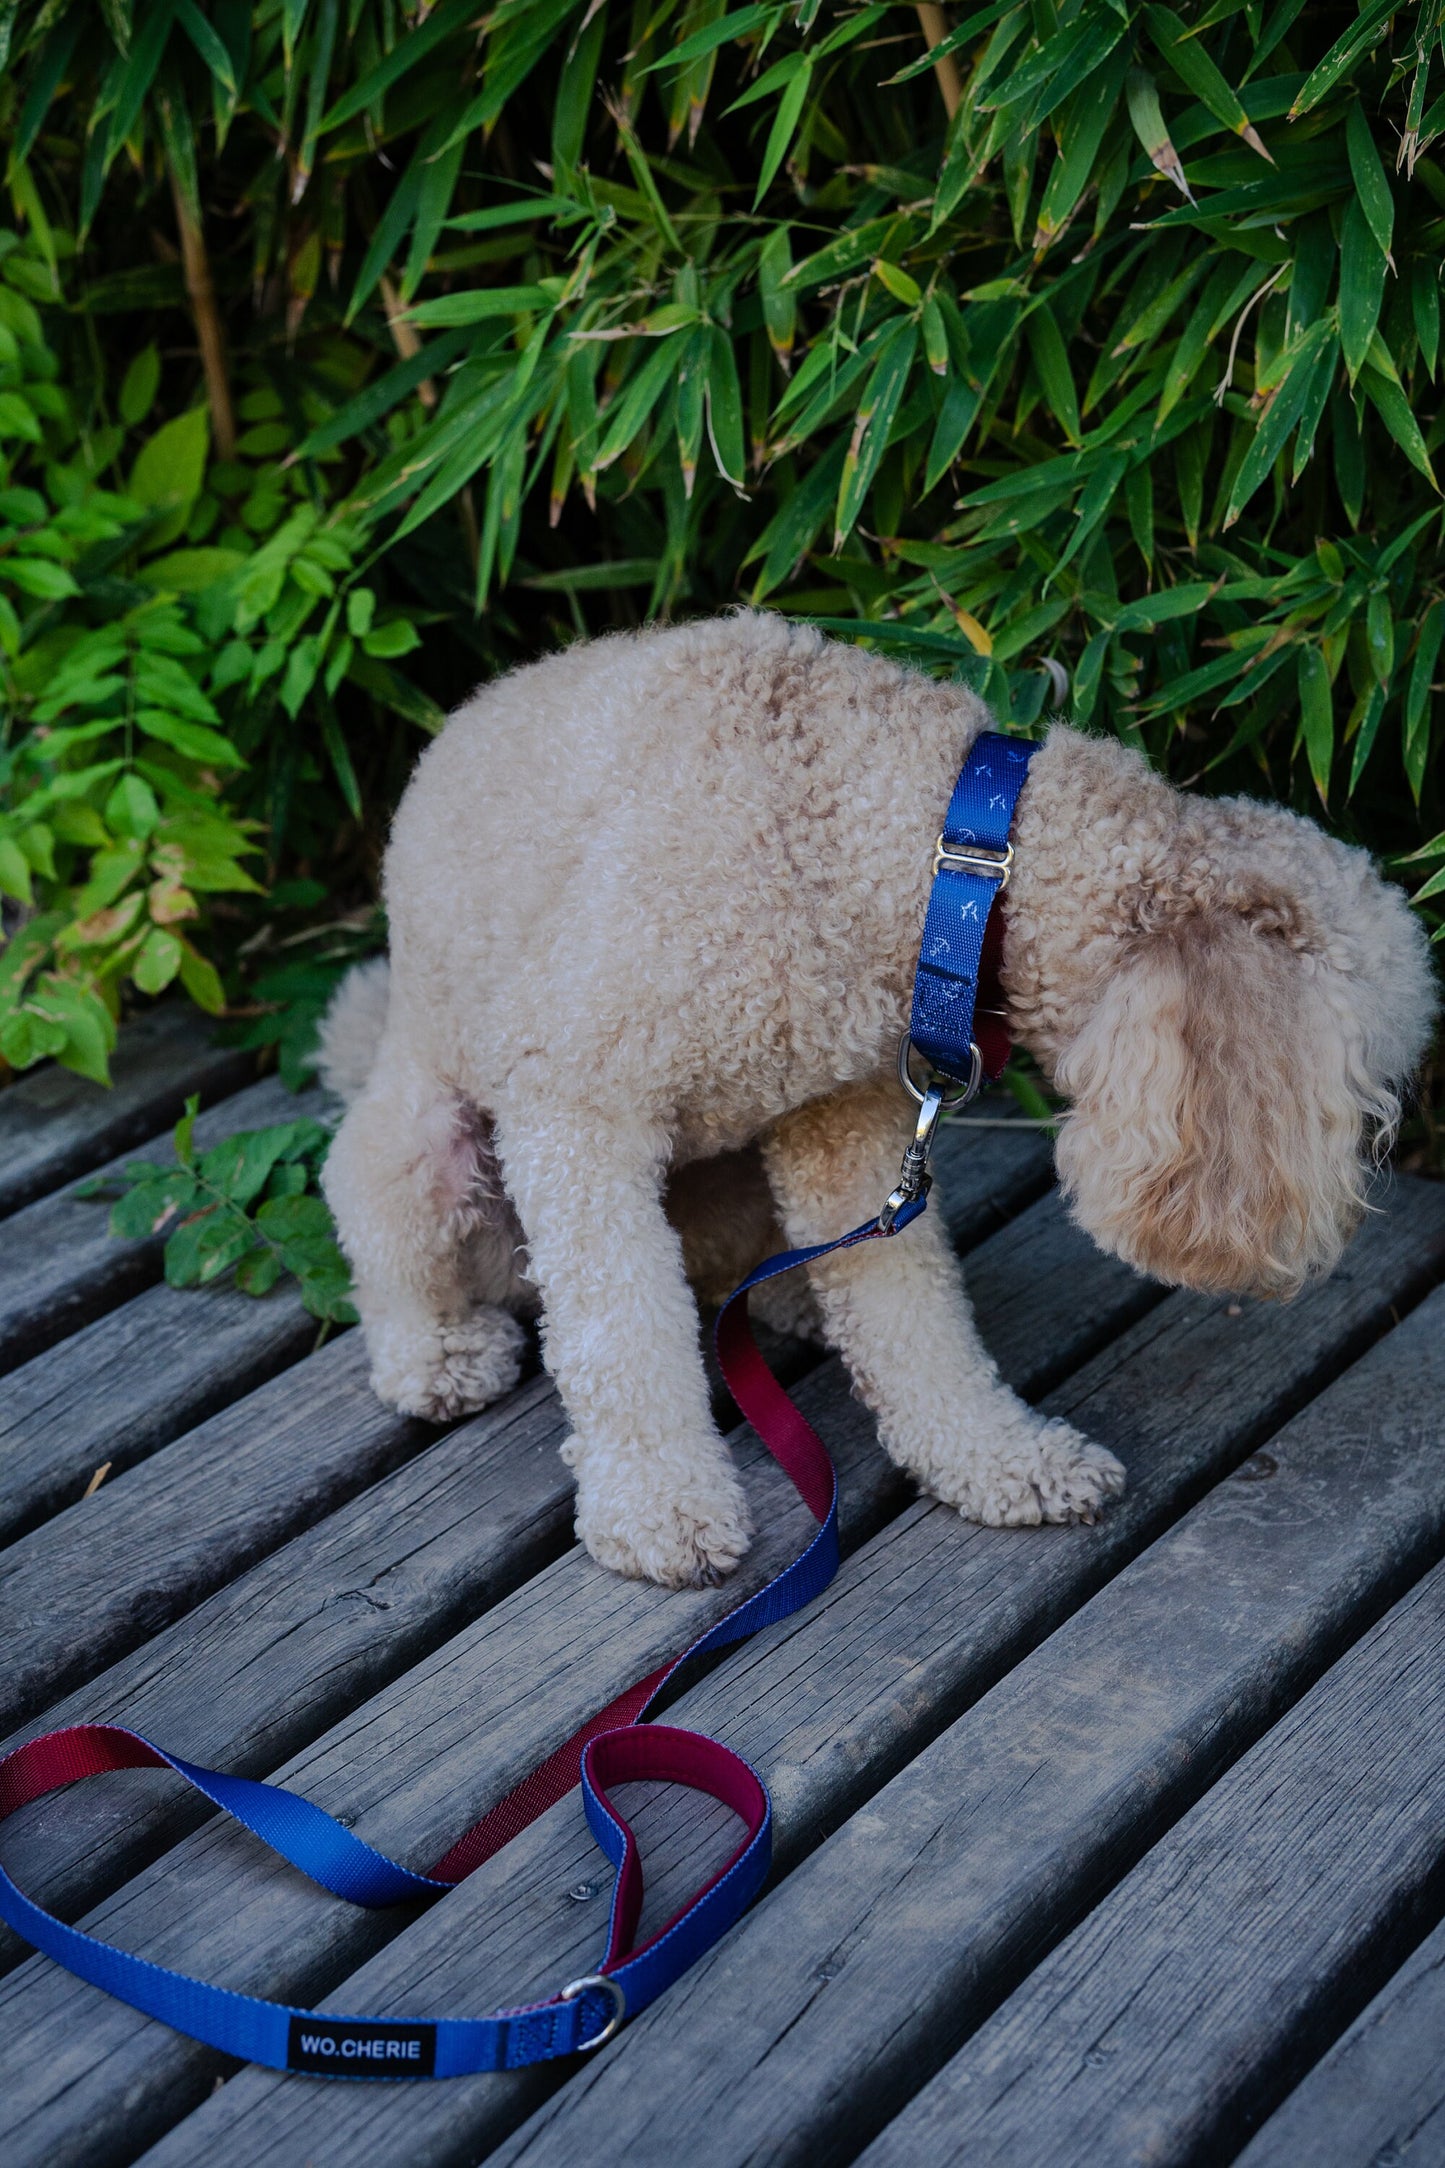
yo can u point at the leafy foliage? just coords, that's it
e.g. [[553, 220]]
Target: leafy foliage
[[1102, 339], [248, 1206]]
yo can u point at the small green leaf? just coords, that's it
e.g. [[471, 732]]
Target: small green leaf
[[158, 962], [258, 1271], [139, 386], [170, 468]]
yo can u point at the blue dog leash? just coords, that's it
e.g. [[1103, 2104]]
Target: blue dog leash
[[970, 867]]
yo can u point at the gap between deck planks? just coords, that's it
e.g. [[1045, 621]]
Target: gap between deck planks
[[1213, 1974], [122, 1387], [373, 1587], [824, 2011], [59, 1264], [1377, 2098], [55, 1126], [1013, 1587]]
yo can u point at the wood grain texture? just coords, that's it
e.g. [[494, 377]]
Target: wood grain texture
[[1377, 2098], [85, 2079], [108, 1573], [55, 1126], [59, 1264], [412, 1767], [286, 1649], [122, 1387], [1202, 1984], [921, 1620], [890, 1942]]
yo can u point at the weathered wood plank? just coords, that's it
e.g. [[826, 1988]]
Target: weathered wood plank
[[1377, 2098], [821, 2014], [411, 1767], [1204, 1982], [59, 1264], [106, 1574], [121, 1388], [55, 1126], [920, 1620]]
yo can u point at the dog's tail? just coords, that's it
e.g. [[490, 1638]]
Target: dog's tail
[[350, 1031]]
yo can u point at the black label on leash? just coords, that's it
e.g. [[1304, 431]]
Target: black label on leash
[[350, 2047]]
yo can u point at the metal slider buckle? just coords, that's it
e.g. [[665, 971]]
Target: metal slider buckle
[[973, 858], [618, 1999]]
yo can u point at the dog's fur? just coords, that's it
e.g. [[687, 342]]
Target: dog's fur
[[655, 905]]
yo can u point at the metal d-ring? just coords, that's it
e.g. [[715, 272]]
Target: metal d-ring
[[949, 1101], [574, 1988]]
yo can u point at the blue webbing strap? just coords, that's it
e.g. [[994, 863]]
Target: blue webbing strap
[[965, 886]]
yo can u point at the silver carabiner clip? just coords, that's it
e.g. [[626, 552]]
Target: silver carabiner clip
[[937, 1097]]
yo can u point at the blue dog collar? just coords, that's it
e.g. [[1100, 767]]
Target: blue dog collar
[[971, 862], [970, 872]]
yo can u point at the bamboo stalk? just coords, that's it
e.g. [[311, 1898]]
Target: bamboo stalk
[[405, 336], [201, 293], [934, 24]]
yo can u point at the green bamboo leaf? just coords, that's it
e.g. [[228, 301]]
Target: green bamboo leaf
[[1393, 408], [1380, 635], [691, 400], [1362, 286], [1425, 309], [55, 57], [1081, 133], [1147, 116], [851, 248], [725, 410], [740, 24], [1371, 186], [481, 305], [212, 48], [1051, 360], [1343, 56], [962, 34], [1366, 735], [1417, 698], [407, 53], [1317, 717], [575, 92], [778, 296], [784, 128], [795, 525], [875, 418], [1433, 887], [1313, 361], [1187, 57]]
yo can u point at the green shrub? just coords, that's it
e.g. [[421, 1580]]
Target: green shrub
[[1104, 338]]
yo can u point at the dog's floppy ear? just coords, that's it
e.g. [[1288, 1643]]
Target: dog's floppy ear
[[1220, 1097]]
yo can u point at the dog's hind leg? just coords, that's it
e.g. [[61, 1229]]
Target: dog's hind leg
[[657, 1495], [897, 1313], [413, 1184]]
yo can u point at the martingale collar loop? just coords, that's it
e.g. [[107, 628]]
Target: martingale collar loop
[[957, 1043], [971, 866]]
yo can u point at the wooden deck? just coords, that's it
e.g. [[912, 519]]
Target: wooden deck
[[1112, 1844]]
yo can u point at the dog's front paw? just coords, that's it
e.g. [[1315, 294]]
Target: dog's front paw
[[689, 1534], [440, 1372], [1029, 1471]]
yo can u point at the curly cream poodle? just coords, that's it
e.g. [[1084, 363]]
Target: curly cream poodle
[[655, 906]]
